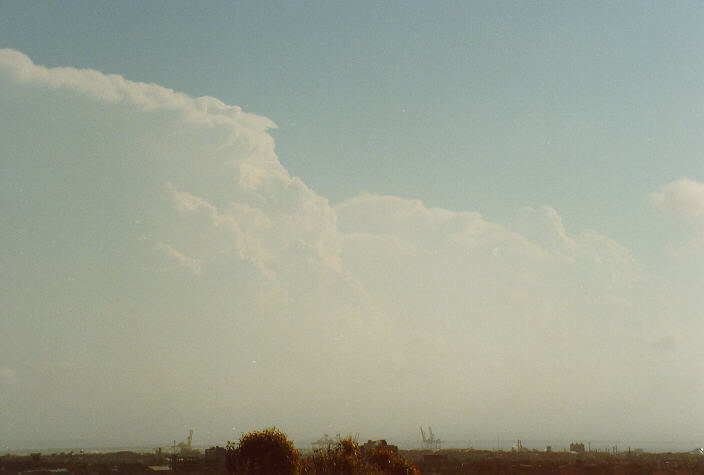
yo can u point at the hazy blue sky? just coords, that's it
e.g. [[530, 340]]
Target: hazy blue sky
[[483, 216]]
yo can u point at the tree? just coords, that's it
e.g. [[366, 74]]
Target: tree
[[341, 458], [386, 461], [346, 458], [267, 452]]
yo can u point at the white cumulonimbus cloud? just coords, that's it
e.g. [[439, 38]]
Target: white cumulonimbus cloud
[[173, 272], [683, 198]]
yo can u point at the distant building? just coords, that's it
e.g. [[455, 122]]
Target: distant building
[[378, 444], [577, 448]]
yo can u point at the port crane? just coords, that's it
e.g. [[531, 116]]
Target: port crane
[[430, 442], [185, 448]]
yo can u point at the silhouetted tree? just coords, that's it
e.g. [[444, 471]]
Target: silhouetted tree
[[346, 458], [267, 452], [386, 461], [342, 458]]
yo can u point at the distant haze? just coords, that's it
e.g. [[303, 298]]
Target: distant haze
[[163, 270]]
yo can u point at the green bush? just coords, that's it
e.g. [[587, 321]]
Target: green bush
[[269, 452], [266, 452], [388, 462], [346, 458], [342, 458]]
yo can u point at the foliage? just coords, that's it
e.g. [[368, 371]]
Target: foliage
[[346, 458], [386, 461], [342, 458], [266, 452], [269, 452]]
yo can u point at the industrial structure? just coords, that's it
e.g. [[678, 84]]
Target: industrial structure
[[185, 448], [577, 448], [430, 442], [377, 444]]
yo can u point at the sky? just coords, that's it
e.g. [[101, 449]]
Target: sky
[[350, 218]]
